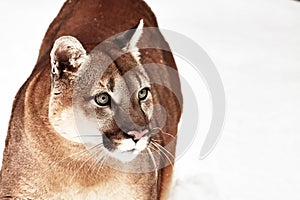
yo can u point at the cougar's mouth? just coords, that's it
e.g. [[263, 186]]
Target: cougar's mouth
[[128, 147]]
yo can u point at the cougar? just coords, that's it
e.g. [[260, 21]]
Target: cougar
[[98, 116]]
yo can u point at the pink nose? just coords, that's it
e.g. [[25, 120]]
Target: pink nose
[[137, 135]]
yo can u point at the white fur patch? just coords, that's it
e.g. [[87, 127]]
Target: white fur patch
[[141, 144], [128, 149], [126, 145], [136, 56]]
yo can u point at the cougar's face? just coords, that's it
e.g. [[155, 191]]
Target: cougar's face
[[117, 107], [98, 101]]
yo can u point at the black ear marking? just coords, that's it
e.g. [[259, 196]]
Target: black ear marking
[[67, 55], [54, 71]]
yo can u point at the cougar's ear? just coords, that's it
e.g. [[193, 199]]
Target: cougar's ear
[[127, 41], [132, 43], [66, 56]]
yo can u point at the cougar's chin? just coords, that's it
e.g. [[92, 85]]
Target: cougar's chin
[[127, 150]]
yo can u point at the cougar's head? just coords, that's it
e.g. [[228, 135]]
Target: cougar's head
[[102, 98]]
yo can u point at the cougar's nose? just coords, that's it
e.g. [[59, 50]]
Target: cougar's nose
[[137, 135]]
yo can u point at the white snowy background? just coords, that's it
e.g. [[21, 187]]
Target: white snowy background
[[255, 46]]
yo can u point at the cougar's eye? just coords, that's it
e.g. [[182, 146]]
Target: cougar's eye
[[102, 99], [143, 93]]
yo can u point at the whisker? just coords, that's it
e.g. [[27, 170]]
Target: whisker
[[75, 154], [93, 166], [102, 163], [162, 151], [82, 165], [154, 164], [82, 136], [163, 148], [156, 140], [157, 151], [163, 132]]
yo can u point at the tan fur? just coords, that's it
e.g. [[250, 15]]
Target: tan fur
[[38, 161]]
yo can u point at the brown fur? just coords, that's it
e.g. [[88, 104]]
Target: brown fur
[[32, 145]]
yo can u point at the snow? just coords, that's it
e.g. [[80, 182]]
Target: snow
[[254, 44]]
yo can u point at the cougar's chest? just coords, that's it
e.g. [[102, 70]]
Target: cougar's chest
[[115, 185]]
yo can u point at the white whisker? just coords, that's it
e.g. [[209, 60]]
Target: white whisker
[[102, 163], [154, 164], [162, 151], [163, 132], [82, 136], [82, 165], [80, 153], [75, 155], [93, 166]]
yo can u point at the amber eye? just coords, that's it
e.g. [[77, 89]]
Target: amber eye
[[102, 99], [143, 93]]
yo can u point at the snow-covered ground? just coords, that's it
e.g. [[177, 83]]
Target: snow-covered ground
[[254, 44]]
